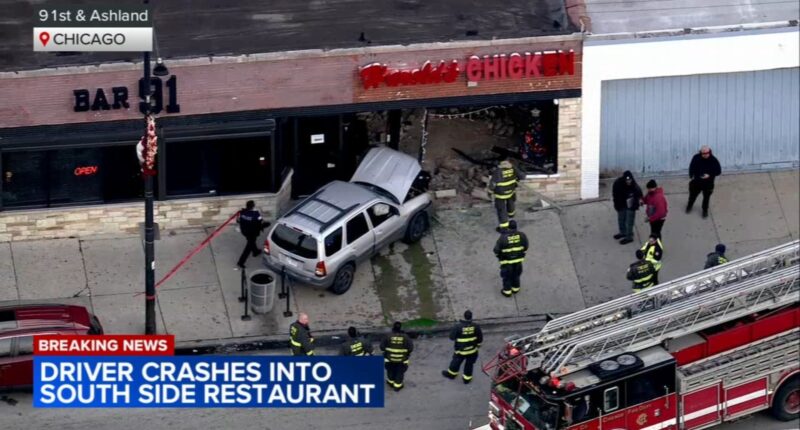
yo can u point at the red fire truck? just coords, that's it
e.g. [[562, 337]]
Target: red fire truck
[[688, 354]]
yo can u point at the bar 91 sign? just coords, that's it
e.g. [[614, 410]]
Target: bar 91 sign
[[118, 97]]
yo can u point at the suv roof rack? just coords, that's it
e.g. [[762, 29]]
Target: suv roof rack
[[297, 210]]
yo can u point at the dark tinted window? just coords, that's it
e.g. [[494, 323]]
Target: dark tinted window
[[295, 241], [5, 347], [70, 176], [650, 385], [218, 166], [356, 228], [610, 399], [25, 345], [379, 213], [333, 242]]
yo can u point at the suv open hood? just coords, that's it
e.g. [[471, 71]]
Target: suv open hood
[[391, 170]]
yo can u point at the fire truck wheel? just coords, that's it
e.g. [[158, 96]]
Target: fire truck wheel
[[786, 403]]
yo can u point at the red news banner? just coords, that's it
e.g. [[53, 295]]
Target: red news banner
[[111, 344]]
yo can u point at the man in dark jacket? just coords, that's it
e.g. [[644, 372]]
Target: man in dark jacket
[[510, 250], [355, 344], [300, 339], [702, 171], [468, 339], [626, 195], [656, 209], [397, 348], [251, 224], [716, 258]]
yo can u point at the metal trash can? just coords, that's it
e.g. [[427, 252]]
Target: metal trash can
[[261, 289]]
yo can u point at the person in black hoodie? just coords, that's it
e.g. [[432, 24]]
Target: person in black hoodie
[[702, 171], [626, 194]]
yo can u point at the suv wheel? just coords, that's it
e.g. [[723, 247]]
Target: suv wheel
[[416, 228], [343, 279]]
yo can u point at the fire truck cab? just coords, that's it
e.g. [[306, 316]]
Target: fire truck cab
[[688, 354]]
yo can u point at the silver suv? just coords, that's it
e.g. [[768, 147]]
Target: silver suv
[[322, 239]]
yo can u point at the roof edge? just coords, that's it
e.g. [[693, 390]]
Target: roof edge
[[695, 31], [286, 55]]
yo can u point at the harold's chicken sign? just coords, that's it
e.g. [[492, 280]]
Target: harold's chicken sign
[[486, 68]]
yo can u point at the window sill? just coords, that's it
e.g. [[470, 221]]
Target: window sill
[[542, 176]]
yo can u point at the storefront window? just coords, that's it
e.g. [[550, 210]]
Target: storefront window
[[70, 176], [219, 166]]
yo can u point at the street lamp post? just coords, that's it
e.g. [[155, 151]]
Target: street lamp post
[[149, 234]]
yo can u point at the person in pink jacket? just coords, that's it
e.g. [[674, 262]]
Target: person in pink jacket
[[656, 207]]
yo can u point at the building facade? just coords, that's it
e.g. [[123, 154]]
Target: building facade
[[261, 126]]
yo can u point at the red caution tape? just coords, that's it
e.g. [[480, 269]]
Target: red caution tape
[[193, 252]]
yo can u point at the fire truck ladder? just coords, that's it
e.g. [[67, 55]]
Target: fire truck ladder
[[630, 323], [773, 354]]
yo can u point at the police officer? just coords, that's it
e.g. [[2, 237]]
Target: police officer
[[468, 338], [653, 252], [717, 257], [510, 250], [251, 224], [300, 339], [397, 349], [355, 345], [642, 272], [502, 186]]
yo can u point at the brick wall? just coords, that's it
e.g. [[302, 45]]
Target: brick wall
[[270, 81], [124, 218], [566, 185]]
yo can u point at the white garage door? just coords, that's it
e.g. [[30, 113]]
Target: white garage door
[[751, 120]]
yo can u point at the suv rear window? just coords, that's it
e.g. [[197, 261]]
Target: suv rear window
[[295, 241]]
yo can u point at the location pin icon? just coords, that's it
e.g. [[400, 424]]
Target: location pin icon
[[44, 37]]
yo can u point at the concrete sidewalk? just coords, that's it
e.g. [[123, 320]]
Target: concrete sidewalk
[[573, 263]]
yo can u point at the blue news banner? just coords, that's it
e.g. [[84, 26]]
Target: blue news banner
[[208, 382]]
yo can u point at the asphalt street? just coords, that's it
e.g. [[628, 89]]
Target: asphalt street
[[428, 402]]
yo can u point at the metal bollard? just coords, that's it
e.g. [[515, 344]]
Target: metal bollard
[[245, 297], [285, 288]]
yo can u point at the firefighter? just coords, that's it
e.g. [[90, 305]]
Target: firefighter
[[300, 339], [397, 349], [717, 257], [642, 272], [468, 338], [510, 250], [653, 252], [355, 345], [502, 187]]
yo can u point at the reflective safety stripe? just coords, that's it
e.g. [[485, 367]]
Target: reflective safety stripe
[[467, 351], [452, 373], [514, 289], [514, 249], [507, 293], [506, 183], [466, 378], [295, 343], [466, 339], [310, 353], [504, 196], [512, 213], [516, 260], [403, 350], [643, 280]]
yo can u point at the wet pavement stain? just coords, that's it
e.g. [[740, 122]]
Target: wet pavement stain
[[388, 284], [421, 271]]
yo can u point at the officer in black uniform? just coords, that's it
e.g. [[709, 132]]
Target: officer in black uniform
[[300, 339], [251, 224], [355, 344], [502, 187], [510, 250], [716, 258], [468, 338], [642, 272], [397, 348]]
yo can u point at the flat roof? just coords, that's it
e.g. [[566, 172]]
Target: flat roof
[[198, 28], [634, 16]]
